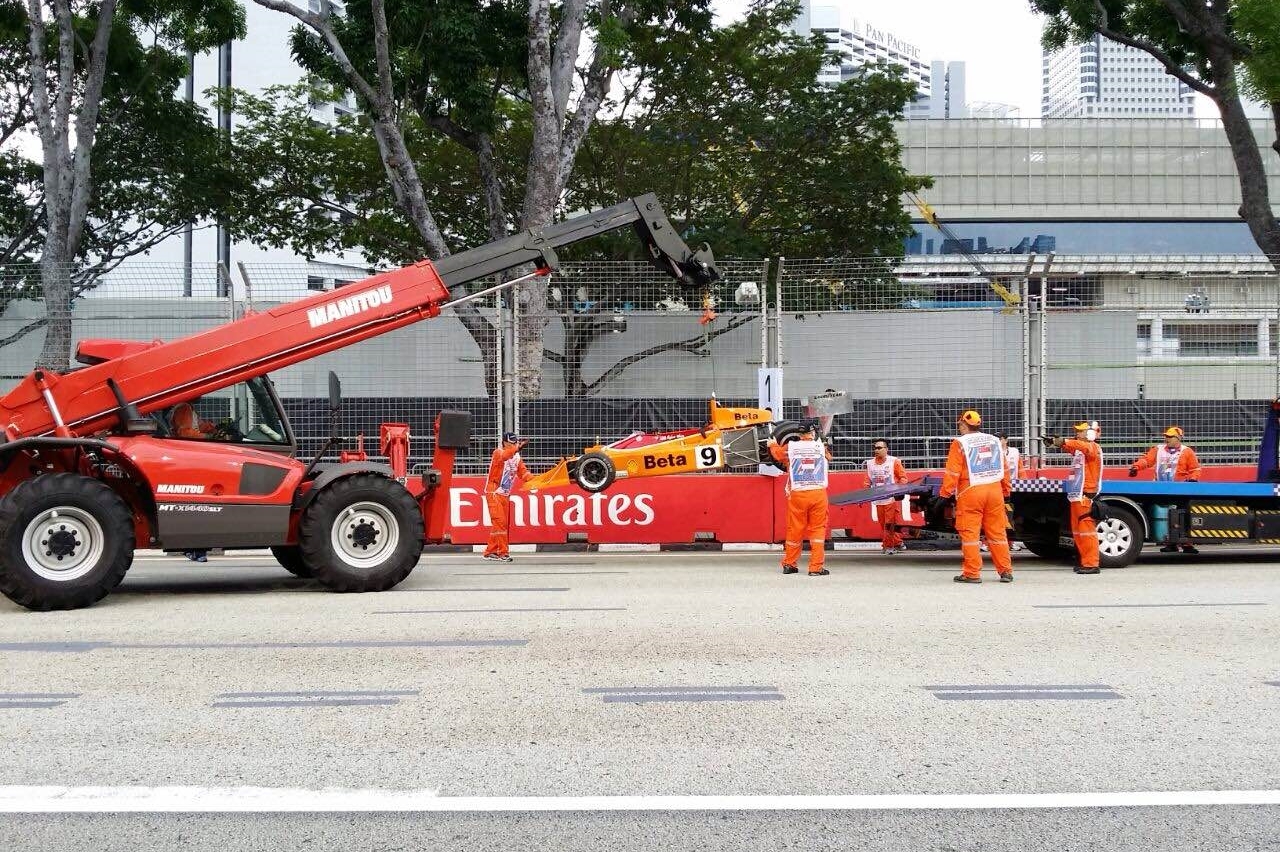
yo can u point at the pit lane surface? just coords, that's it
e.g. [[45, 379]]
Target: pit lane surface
[[643, 675]]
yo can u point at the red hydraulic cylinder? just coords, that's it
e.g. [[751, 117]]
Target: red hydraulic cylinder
[[394, 443]]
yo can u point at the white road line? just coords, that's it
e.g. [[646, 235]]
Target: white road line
[[18, 800]]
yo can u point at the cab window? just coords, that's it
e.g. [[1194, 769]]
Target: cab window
[[241, 414]]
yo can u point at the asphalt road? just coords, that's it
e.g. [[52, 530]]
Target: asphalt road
[[656, 675]]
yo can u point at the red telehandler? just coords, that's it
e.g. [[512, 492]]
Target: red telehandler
[[112, 455]]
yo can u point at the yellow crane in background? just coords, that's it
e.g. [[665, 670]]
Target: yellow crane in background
[[1010, 298]]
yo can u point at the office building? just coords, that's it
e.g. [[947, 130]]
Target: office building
[[1104, 79]]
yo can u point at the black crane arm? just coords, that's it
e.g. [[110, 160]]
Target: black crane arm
[[691, 269]]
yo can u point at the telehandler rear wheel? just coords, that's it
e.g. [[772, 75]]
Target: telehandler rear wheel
[[290, 558], [363, 533], [65, 541]]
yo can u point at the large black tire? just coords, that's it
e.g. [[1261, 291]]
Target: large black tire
[[1119, 538], [784, 432], [594, 472], [65, 542], [290, 558], [363, 533], [1047, 549]]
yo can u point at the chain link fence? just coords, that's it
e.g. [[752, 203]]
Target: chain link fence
[[624, 350], [619, 349], [911, 353], [1145, 352]]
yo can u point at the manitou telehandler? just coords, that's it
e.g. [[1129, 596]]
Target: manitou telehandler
[[112, 455]]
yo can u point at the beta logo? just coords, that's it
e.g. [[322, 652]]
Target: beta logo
[[350, 306], [167, 488], [669, 460]]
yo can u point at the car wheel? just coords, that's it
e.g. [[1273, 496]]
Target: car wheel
[[594, 472]]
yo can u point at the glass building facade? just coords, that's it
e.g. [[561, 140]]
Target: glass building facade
[[1081, 186]]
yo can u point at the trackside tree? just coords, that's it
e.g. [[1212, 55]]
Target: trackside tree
[[1220, 48], [729, 122], [123, 163]]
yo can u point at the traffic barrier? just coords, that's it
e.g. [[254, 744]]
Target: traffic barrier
[[701, 509]]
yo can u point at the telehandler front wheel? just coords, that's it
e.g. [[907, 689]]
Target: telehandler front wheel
[[65, 541], [290, 558], [363, 533]]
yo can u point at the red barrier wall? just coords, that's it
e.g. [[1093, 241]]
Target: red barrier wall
[[674, 509]]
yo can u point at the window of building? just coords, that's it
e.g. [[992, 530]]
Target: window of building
[[1205, 339], [1144, 338], [315, 282]]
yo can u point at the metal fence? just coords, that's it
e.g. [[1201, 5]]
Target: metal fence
[[611, 348]]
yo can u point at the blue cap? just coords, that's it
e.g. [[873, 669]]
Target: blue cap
[[510, 437]]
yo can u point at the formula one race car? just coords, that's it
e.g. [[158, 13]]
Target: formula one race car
[[732, 437]]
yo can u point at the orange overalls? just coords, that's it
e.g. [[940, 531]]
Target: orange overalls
[[977, 477], [887, 512], [1180, 465], [187, 424], [505, 470], [1082, 488], [806, 463]]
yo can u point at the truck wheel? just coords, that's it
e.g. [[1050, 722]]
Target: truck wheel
[[1046, 549], [784, 432], [65, 541], [594, 472], [363, 533], [290, 558], [1119, 538]]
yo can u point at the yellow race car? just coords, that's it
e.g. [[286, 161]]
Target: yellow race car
[[732, 437]]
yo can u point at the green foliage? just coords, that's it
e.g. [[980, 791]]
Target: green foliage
[[451, 58], [1257, 22], [751, 154], [314, 189], [158, 162]]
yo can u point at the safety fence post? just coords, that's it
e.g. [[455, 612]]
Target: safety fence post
[[777, 316], [508, 360], [1034, 408], [765, 318]]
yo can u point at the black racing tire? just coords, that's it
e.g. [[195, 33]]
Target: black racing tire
[[594, 472], [290, 558], [1119, 538], [362, 533], [784, 432], [65, 542]]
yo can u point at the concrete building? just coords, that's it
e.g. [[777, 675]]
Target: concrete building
[[1102, 78], [857, 44], [1086, 186], [948, 95]]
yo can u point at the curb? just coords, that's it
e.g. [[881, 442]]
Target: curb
[[677, 547]]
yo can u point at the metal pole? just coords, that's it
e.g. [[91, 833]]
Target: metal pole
[[187, 237], [226, 291], [777, 316], [1025, 316], [248, 287], [224, 126], [1044, 389], [515, 360], [764, 315]]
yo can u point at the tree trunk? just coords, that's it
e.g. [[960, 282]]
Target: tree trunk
[[55, 279], [1255, 200]]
